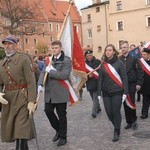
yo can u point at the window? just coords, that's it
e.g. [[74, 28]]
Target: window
[[119, 44], [147, 2], [57, 27], [89, 32], [97, 9], [51, 39], [51, 27], [35, 41], [119, 5], [43, 34], [98, 28], [89, 18], [76, 28], [7, 23], [120, 26], [148, 21], [26, 41], [99, 48]]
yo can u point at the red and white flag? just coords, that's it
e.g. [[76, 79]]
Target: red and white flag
[[93, 71], [116, 78], [147, 45], [78, 63], [72, 48], [145, 66]]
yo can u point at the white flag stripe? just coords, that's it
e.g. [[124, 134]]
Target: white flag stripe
[[147, 44], [71, 91], [91, 69], [66, 37], [145, 64], [115, 73]]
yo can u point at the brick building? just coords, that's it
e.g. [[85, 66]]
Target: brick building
[[50, 19]]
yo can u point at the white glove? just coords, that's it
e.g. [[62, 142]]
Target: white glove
[[32, 107], [2, 100], [40, 89], [100, 98], [124, 96], [138, 87], [48, 68]]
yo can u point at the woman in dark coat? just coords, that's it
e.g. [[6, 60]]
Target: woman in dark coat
[[112, 93]]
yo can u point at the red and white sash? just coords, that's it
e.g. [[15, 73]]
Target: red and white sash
[[66, 84], [116, 78], [145, 66], [90, 69]]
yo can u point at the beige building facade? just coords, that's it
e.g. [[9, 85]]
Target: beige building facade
[[119, 20]]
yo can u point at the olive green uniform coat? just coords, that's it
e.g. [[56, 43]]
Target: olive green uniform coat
[[15, 122]]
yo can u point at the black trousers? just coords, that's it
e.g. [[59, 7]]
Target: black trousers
[[146, 104], [59, 121], [130, 114], [112, 106]]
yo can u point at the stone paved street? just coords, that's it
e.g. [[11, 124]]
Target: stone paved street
[[86, 133]]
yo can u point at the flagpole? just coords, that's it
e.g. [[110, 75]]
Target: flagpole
[[58, 38], [64, 22]]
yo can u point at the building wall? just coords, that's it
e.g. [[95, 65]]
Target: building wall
[[99, 38], [133, 15], [27, 42]]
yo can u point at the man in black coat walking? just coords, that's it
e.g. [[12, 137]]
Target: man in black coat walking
[[92, 82], [145, 90], [135, 81]]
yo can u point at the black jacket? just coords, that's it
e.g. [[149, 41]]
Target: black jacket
[[146, 84], [134, 71], [107, 85], [92, 83]]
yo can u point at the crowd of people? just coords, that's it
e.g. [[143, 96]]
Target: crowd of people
[[22, 79]]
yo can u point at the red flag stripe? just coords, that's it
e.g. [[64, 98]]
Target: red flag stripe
[[128, 100], [145, 66]]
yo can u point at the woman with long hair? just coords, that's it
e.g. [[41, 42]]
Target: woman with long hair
[[113, 87]]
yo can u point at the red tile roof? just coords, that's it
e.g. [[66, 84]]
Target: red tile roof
[[55, 10]]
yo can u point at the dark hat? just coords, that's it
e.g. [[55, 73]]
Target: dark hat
[[147, 50], [10, 39], [88, 52]]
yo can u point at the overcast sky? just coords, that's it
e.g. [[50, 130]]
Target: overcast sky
[[82, 3]]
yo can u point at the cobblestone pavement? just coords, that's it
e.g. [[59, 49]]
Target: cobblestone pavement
[[87, 133]]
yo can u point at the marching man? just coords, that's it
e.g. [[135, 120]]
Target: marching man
[[17, 81], [145, 90], [56, 94]]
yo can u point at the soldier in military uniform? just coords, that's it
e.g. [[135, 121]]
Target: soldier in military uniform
[[17, 81]]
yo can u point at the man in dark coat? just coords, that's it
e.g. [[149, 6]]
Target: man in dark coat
[[135, 81], [17, 95], [56, 95], [92, 82], [145, 90]]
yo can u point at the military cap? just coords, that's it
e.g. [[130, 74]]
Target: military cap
[[88, 52], [147, 50], [10, 39]]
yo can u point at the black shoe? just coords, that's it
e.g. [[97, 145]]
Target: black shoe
[[134, 125], [62, 141], [116, 135], [56, 137], [128, 126], [144, 116], [93, 115], [99, 109]]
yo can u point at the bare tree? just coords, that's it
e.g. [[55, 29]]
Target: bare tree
[[20, 17]]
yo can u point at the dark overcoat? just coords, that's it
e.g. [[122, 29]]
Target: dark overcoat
[[18, 80]]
